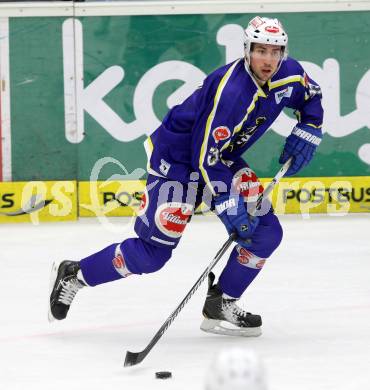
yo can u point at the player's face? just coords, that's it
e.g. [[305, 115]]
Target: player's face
[[264, 60]]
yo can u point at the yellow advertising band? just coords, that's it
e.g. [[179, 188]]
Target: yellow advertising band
[[39, 201]]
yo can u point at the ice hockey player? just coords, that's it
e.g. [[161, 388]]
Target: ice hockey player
[[196, 154]]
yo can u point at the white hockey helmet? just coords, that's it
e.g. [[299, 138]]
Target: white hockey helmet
[[267, 31], [236, 369]]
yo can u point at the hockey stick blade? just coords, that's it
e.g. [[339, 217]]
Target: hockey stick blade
[[133, 358]]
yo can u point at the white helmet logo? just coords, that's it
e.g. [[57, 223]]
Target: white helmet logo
[[256, 22]]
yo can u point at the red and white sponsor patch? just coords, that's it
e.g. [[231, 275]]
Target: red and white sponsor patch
[[221, 133], [120, 265], [118, 261], [249, 259], [272, 29], [247, 184], [171, 218], [244, 256]]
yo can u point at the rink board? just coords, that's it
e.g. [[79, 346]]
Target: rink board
[[110, 198], [38, 201], [338, 195]]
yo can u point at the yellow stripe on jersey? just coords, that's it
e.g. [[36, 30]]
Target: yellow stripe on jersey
[[291, 79], [314, 126], [259, 93], [211, 116], [149, 147]]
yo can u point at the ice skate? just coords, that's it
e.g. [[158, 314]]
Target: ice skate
[[223, 316], [64, 285]]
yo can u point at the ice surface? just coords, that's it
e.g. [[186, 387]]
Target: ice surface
[[313, 294]]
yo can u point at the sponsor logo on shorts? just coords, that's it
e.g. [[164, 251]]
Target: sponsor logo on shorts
[[171, 218], [247, 184]]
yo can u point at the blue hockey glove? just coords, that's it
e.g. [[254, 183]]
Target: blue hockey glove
[[301, 144], [233, 213]]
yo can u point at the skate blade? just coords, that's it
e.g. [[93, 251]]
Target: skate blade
[[53, 278], [217, 327]]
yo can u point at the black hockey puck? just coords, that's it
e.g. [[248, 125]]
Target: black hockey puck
[[163, 374]]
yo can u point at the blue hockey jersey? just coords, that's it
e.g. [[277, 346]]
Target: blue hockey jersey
[[214, 126]]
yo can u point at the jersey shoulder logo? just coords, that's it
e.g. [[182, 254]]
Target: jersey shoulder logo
[[164, 167], [280, 95]]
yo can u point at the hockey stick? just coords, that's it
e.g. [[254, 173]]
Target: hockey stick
[[133, 358], [283, 170]]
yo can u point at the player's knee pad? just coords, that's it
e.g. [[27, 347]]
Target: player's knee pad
[[275, 234], [267, 236], [142, 257]]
